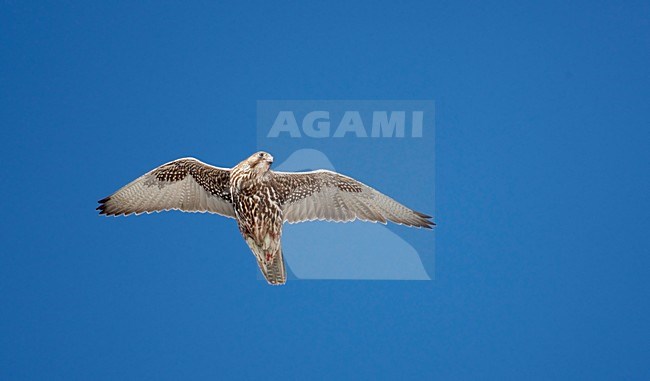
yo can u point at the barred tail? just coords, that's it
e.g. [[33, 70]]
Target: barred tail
[[275, 272], [271, 263]]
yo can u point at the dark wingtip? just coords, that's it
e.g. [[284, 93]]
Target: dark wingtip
[[426, 216], [102, 206], [428, 224]]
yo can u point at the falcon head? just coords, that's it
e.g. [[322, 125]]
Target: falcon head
[[260, 161]]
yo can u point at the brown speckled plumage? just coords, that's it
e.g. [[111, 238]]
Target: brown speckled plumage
[[260, 200]]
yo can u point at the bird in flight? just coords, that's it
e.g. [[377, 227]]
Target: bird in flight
[[260, 200]]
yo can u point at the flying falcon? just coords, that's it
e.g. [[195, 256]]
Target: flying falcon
[[260, 199]]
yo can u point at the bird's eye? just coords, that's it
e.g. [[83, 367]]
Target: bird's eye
[[261, 155]]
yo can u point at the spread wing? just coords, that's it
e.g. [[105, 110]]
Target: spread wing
[[326, 195], [184, 184]]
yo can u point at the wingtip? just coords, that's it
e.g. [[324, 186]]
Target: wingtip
[[428, 225], [102, 207], [423, 215]]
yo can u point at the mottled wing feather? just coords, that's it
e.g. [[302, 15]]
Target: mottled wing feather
[[326, 195], [184, 184]]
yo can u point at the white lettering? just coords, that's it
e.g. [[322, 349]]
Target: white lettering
[[285, 122], [351, 122], [382, 126], [323, 126]]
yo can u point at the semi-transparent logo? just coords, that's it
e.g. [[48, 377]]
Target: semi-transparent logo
[[388, 145]]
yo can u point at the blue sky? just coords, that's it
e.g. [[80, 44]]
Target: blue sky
[[542, 130]]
